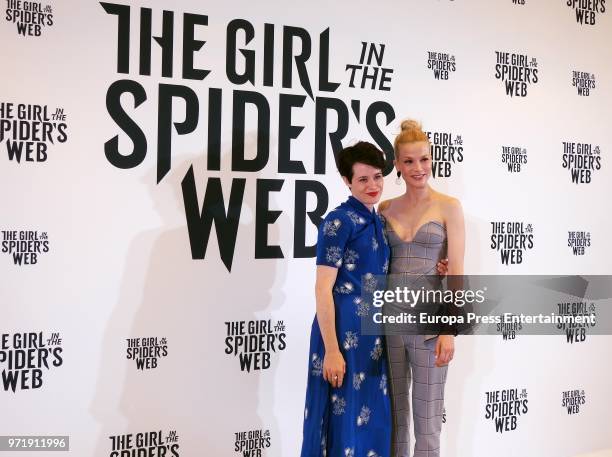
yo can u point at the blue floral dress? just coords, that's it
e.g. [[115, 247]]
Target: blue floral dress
[[355, 419]]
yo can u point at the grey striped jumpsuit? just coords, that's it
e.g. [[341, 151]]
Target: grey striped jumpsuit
[[410, 356]]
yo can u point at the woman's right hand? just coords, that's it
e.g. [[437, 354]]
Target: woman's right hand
[[334, 368]]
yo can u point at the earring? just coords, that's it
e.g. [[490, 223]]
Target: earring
[[398, 180]]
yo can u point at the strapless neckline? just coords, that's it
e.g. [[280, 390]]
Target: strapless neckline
[[389, 228]]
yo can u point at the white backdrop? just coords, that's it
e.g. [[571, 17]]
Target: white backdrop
[[119, 264]]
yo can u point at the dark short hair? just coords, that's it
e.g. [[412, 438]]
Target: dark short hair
[[361, 152]]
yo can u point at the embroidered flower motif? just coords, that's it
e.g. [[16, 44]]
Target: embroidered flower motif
[[350, 341], [350, 259], [364, 416], [372, 453], [330, 228], [334, 255], [339, 404], [369, 283], [383, 384], [355, 218], [363, 307], [349, 452], [317, 365], [385, 267], [344, 288], [378, 349], [374, 243], [358, 379]]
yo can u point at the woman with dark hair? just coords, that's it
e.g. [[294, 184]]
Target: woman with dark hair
[[347, 409]]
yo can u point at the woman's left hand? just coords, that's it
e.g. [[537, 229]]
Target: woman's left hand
[[445, 349], [442, 267]]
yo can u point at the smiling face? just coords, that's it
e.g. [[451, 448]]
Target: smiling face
[[414, 162], [367, 183]]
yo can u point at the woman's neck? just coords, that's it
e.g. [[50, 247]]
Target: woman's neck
[[418, 195], [367, 205]]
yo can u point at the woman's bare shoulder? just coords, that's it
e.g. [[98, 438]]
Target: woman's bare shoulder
[[449, 206], [384, 205], [447, 201]]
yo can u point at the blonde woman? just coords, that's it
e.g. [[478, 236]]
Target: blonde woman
[[423, 226]]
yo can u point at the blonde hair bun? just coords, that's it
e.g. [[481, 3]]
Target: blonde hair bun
[[411, 132], [410, 124]]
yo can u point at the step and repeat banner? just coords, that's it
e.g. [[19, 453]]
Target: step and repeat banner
[[165, 166]]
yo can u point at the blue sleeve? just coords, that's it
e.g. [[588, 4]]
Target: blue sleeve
[[334, 234]]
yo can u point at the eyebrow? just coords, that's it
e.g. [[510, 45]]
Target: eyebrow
[[424, 155], [375, 174]]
